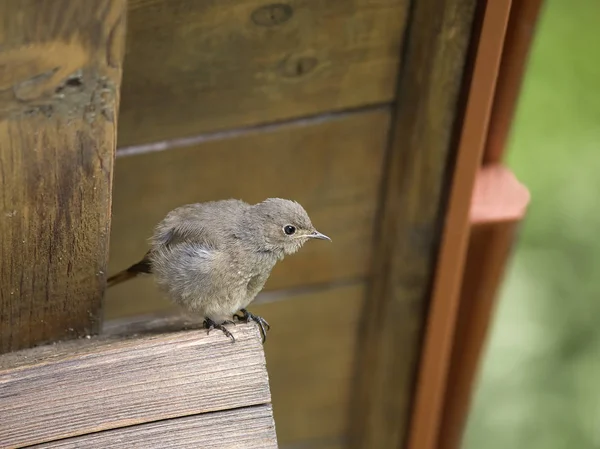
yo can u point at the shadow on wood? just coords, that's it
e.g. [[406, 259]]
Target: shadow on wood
[[77, 388]]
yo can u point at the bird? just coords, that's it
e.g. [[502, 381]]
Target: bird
[[213, 258]]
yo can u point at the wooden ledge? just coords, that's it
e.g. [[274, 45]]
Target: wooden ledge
[[247, 428], [79, 387]]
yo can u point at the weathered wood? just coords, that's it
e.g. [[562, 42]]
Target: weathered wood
[[311, 352], [332, 166], [245, 428], [413, 209], [79, 387], [60, 71], [305, 348], [445, 296], [196, 66]]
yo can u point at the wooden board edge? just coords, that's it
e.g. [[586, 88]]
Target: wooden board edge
[[522, 25], [88, 378], [412, 203], [253, 427], [441, 320]]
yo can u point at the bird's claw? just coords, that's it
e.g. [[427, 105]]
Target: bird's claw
[[262, 323], [210, 325]]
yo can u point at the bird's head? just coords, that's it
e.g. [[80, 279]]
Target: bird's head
[[283, 226]]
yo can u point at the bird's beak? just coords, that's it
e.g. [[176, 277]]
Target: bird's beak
[[318, 235]]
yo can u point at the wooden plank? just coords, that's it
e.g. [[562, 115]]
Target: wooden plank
[[488, 253], [329, 443], [412, 214], [522, 25], [498, 204], [80, 387], [60, 72], [247, 428], [199, 66], [332, 166], [307, 349], [311, 353], [445, 297]]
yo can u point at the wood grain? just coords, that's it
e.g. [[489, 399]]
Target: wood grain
[[445, 297], [329, 443], [332, 166], [310, 350], [199, 66], [244, 428], [60, 71], [85, 386], [420, 156]]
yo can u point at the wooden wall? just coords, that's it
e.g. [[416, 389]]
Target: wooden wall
[[347, 106], [195, 67]]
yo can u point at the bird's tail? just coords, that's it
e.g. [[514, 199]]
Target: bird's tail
[[122, 276], [143, 266]]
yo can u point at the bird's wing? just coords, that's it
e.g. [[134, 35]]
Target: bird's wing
[[192, 228], [205, 223], [170, 234], [185, 224]]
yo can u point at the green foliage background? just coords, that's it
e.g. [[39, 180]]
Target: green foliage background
[[540, 382]]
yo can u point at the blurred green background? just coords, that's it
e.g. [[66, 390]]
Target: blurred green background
[[539, 387]]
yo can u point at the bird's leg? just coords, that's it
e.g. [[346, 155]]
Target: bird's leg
[[247, 317], [210, 325]]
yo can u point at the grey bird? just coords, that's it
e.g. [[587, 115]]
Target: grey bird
[[214, 258]]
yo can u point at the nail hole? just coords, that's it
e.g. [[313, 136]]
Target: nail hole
[[296, 67], [273, 14]]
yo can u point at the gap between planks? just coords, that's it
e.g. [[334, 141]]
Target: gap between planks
[[249, 427], [175, 319], [134, 150], [84, 386]]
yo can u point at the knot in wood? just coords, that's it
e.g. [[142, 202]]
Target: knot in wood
[[272, 15], [297, 66]]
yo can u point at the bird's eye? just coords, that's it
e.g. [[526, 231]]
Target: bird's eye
[[289, 229]]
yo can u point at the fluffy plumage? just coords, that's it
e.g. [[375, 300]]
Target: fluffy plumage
[[214, 258]]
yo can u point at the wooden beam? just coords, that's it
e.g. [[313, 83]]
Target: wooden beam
[[445, 297], [498, 204], [60, 72], [316, 358], [421, 153], [519, 37], [247, 428], [79, 387]]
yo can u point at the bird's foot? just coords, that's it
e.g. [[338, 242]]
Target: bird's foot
[[210, 325], [247, 317]]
